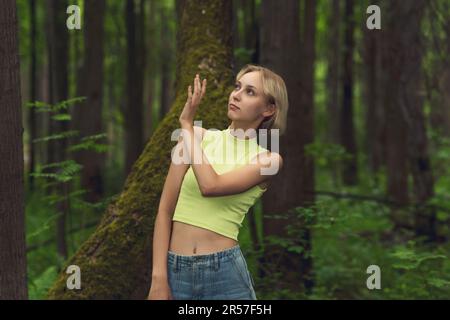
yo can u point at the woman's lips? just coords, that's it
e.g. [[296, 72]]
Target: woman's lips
[[233, 107]]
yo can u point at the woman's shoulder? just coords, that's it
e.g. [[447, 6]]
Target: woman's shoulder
[[267, 157]]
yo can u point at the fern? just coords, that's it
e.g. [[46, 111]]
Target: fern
[[58, 136]]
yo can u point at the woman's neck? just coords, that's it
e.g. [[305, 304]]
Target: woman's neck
[[242, 132]]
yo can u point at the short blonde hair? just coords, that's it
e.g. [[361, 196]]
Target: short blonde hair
[[275, 90]]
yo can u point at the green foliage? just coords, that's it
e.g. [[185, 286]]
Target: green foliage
[[89, 143], [66, 171], [39, 286], [57, 136], [45, 264]]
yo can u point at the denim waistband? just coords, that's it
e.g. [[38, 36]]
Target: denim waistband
[[213, 258]]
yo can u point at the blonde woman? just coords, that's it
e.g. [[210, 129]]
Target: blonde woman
[[196, 254]]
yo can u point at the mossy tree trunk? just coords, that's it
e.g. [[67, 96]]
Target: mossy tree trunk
[[115, 261]]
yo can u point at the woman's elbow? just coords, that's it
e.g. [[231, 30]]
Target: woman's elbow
[[206, 191]]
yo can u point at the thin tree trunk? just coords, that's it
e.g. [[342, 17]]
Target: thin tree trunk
[[251, 32], [373, 97], [134, 104], [13, 266], [334, 50], [32, 119], [116, 259], [165, 63], [350, 171], [333, 82], [88, 114], [149, 88], [307, 103], [58, 50], [440, 73]]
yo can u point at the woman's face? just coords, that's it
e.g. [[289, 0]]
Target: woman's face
[[248, 97]]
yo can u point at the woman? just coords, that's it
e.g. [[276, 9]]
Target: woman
[[196, 254]]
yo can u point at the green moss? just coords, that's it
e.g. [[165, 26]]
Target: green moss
[[115, 260]]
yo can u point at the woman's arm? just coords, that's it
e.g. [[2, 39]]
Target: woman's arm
[[236, 181], [210, 183], [163, 221]]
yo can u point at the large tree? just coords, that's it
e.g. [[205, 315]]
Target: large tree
[[282, 51], [406, 119], [115, 261], [13, 270]]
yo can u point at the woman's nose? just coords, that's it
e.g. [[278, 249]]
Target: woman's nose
[[237, 95]]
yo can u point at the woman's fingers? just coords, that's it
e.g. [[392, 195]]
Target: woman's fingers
[[203, 87], [196, 85], [199, 89], [189, 94]]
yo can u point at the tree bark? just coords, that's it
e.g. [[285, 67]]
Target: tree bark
[[280, 51], [149, 87], [350, 170], [333, 72], [251, 32], [333, 80], [405, 105], [58, 57], [375, 137], [439, 77], [13, 268], [166, 61], [32, 119], [134, 104], [88, 114], [115, 261]]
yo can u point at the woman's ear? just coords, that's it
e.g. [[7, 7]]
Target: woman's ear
[[271, 109]]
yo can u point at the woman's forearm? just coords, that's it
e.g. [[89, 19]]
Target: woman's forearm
[[203, 170], [161, 239]]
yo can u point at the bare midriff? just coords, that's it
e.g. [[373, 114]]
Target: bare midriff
[[188, 240], [191, 240]]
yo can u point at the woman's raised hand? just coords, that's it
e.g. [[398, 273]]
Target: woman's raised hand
[[193, 100]]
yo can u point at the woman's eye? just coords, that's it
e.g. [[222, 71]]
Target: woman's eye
[[250, 91]]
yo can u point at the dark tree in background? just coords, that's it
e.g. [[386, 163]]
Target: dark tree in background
[[348, 139], [13, 267], [133, 111], [438, 80], [32, 119], [87, 116], [165, 58], [57, 39], [373, 93], [280, 51], [333, 77], [408, 150]]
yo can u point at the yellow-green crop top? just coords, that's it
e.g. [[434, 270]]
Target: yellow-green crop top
[[221, 214]]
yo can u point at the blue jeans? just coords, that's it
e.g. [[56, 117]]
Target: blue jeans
[[221, 275]]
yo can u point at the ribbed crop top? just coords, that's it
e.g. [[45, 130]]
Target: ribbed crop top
[[221, 214]]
